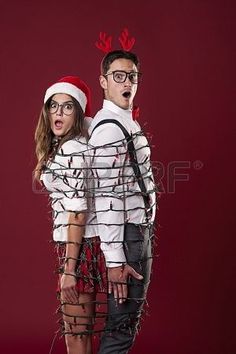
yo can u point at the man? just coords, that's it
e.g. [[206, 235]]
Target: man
[[124, 198]]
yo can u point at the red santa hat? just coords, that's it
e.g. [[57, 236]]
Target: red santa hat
[[75, 87]]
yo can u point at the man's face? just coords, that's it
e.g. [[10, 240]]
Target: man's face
[[120, 93]]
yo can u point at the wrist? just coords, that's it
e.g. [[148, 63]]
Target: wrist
[[70, 264], [68, 271], [68, 274]]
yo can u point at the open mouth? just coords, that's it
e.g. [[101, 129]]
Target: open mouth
[[58, 124], [126, 94]]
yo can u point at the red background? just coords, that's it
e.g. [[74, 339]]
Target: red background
[[187, 100]]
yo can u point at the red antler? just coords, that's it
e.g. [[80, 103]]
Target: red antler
[[105, 42], [126, 43]]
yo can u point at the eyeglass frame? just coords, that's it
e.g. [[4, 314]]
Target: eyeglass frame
[[127, 74], [61, 105]]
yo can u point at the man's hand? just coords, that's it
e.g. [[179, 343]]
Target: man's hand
[[117, 281]]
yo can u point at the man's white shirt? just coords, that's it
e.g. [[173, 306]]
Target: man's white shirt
[[117, 193]]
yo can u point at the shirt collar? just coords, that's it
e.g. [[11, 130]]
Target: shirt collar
[[125, 113]]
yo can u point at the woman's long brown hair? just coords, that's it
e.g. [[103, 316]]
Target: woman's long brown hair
[[44, 135]]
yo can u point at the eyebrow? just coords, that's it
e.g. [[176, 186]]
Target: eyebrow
[[123, 71], [63, 102]]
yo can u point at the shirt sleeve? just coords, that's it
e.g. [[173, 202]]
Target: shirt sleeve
[[108, 154]]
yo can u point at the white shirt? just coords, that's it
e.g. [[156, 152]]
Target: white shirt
[[66, 177], [117, 194]]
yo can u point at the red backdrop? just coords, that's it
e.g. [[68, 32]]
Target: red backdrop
[[188, 62]]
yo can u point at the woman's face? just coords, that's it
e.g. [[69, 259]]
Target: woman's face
[[61, 114]]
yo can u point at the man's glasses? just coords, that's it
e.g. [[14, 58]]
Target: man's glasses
[[120, 76], [67, 107]]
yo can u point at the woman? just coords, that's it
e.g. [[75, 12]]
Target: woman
[[63, 169]]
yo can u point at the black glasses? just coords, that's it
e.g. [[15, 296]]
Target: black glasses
[[67, 107], [120, 76]]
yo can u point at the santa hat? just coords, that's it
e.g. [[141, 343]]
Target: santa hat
[[75, 87]]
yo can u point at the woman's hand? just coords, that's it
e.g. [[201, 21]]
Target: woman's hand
[[69, 292]]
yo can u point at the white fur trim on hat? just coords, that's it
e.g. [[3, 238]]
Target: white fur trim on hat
[[69, 89]]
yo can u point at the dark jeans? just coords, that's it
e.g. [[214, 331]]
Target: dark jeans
[[123, 319]]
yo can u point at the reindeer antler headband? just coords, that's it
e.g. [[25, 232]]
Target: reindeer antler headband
[[104, 43]]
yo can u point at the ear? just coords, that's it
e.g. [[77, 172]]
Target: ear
[[103, 82]]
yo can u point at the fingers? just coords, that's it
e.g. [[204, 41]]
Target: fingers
[[69, 292], [69, 295], [119, 290], [122, 288], [125, 292], [115, 291], [120, 297], [109, 287], [134, 274]]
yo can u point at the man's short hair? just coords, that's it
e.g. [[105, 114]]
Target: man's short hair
[[117, 54]]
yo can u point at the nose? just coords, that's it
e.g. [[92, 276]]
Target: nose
[[127, 81], [59, 111]]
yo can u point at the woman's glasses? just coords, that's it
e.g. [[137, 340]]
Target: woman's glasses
[[67, 107]]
